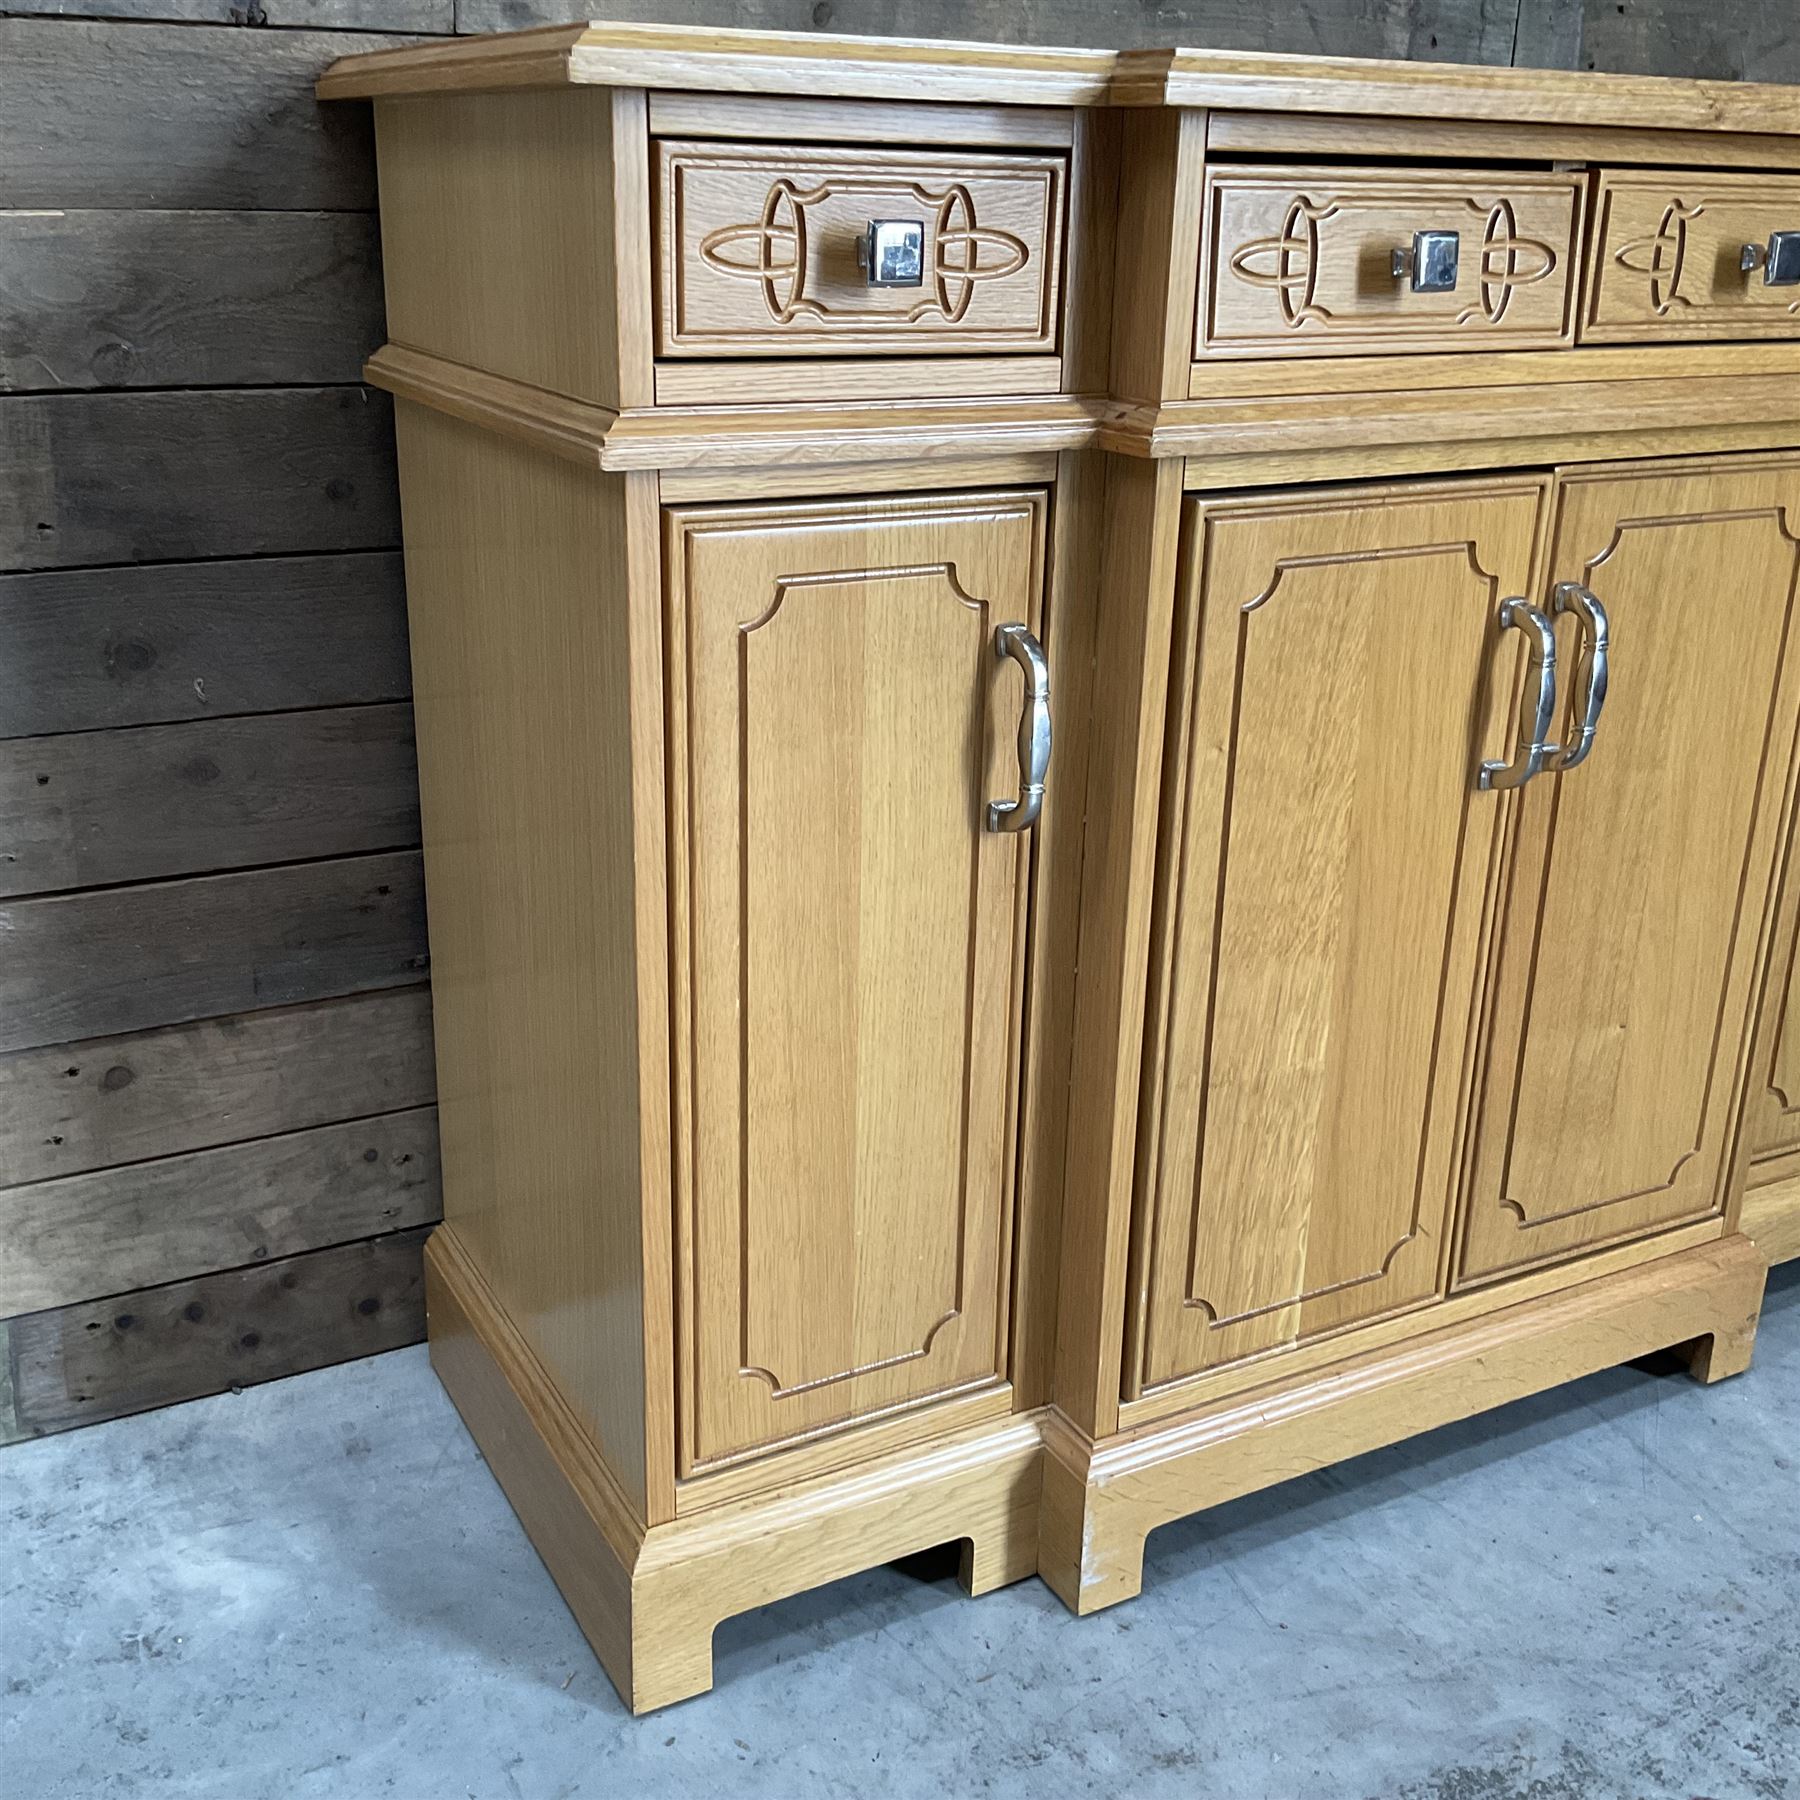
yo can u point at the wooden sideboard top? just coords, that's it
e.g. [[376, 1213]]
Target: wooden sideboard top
[[841, 66]]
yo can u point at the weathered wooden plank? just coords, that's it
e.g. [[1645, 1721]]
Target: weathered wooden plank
[[90, 808], [1744, 40], [419, 17], [171, 116], [123, 959], [103, 648], [66, 1241], [104, 478], [101, 1359], [97, 299], [1548, 35], [72, 1107], [1478, 31]]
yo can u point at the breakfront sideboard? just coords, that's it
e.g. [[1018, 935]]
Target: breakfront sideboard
[[1108, 744]]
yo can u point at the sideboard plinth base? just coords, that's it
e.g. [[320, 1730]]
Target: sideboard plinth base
[[649, 1598], [1100, 1501]]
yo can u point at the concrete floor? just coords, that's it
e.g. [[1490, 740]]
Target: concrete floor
[[315, 1588]]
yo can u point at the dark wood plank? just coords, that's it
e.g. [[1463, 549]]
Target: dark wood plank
[[413, 16], [93, 648], [62, 1242], [174, 116], [123, 959], [105, 1358], [105, 478], [71, 1107], [186, 299], [90, 808], [1477, 31], [1548, 35], [1744, 40]]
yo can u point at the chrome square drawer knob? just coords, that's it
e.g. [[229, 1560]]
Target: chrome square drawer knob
[[1779, 259], [1430, 263], [891, 253]]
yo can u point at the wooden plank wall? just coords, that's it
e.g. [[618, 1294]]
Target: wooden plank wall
[[217, 1145]]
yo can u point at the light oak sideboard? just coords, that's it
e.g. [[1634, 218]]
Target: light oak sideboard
[[1108, 748]]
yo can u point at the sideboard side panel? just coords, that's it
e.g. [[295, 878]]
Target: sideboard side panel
[[518, 570], [515, 236]]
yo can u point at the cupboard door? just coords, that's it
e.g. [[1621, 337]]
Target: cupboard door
[[848, 947], [1326, 855], [1772, 1109], [1636, 908]]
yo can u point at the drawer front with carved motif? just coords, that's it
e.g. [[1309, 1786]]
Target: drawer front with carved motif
[[1342, 262], [818, 252], [1694, 256]]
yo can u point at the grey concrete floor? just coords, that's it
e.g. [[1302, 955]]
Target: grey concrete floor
[[315, 1588]]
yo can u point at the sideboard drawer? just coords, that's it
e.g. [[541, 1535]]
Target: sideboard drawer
[[760, 250], [1300, 262], [1670, 251]]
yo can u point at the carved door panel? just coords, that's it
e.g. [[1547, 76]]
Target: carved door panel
[[1340, 674], [1635, 917], [848, 953], [1772, 1107]]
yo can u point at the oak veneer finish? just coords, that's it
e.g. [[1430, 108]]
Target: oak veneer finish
[[847, 953], [1612, 1082], [1300, 1144], [1296, 260], [759, 257], [1667, 252], [825, 1176]]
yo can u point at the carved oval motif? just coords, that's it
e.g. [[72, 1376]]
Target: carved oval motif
[[1660, 257], [958, 244], [1287, 263], [1509, 261], [777, 250]]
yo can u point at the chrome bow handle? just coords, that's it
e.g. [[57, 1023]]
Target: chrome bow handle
[[1590, 668], [1537, 701], [1021, 814]]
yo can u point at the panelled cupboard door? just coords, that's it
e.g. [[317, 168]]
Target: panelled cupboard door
[[849, 948], [1340, 674], [1636, 908], [1772, 1108]]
